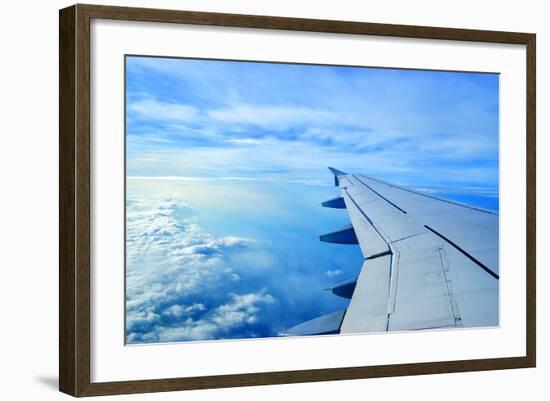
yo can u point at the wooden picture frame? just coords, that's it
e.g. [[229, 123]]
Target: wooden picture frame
[[74, 199]]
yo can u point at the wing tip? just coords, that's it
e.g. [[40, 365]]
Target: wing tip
[[336, 172]]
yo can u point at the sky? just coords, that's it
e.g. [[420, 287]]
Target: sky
[[227, 168]]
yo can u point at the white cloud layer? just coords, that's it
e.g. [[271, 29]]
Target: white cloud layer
[[333, 273], [179, 286]]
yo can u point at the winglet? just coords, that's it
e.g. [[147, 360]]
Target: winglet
[[337, 173]]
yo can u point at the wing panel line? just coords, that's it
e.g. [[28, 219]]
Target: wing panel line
[[432, 197], [452, 300], [477, 262], [380, 195], [368, 218], [390, 248]]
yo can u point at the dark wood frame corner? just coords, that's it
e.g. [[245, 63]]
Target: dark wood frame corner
[[74, 199]]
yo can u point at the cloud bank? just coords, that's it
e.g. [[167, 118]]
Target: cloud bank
[[179, 284]]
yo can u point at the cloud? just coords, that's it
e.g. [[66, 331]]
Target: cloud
[[178, 311], [180, 285], [150, 108], [240, 311], [244, 141], [302, 161], [333, 273], [274, 117]]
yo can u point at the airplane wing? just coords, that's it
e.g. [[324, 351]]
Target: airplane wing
[[428, 262]]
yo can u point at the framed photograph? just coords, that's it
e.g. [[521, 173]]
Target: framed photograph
[[249, 200]]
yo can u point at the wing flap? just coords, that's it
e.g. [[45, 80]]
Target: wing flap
[[420, 295], [474, 291], [368, 308], [371, 241]]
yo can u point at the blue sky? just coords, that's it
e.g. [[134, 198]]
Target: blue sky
[[226, 169]]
